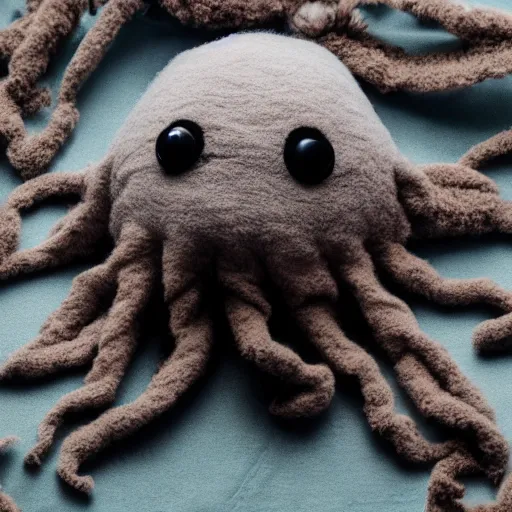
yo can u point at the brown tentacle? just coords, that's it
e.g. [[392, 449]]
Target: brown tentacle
[[249, 325], [6, 502], [79, 233], [390, 68], [33, 154], [248, 312], [397, 329], [191, 325], [115, 349], [347, 358], [427, 391], [486, 33], [417, 276], [42, 360], [479, 155], [445, 491], [80, 308], [452, 200], [435, 402], [51, 21], [458, 19], [12, 36]]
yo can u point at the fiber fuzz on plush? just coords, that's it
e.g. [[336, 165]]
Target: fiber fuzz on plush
[[28, 43], [242, 215]]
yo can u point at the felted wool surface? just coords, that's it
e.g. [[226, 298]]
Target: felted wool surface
[[221, 450]]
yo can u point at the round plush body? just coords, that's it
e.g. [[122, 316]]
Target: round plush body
[[248, 93], [255, 166]]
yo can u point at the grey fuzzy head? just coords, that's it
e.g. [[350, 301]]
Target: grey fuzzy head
[[248, 93]]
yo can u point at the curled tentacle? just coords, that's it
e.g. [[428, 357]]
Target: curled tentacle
[[416, 275], [398, 331], [248, 313], [434, 402], [79, 233], [445, 492], [347, 358], [50, 22], [32, 154], [80, 308], [191, 325], [477, 156], [12, 36], [309, 286], [424, 368], [115, 349]]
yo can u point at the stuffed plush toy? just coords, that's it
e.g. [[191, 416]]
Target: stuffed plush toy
[[251, 163], [30, 41]]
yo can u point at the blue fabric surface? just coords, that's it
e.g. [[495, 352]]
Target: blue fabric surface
[[221, 450]]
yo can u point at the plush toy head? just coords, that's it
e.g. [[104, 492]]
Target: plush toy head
[[286, 146], [256, 163]]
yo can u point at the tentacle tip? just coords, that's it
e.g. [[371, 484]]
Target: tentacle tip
[[5, 374], [7, 442], [33, 459], [84, 484], [9, 370], [489, 345]]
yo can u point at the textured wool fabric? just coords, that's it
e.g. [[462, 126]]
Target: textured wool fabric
[[28, 43], [243, 221], [220, 450]]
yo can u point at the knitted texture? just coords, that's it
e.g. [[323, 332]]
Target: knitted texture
[[28, 43], [237, 225]]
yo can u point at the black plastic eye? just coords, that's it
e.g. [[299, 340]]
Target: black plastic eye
[[179, 146], [309, 156]]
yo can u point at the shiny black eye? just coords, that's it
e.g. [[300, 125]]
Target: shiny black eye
[[309, 156], [179, 146]]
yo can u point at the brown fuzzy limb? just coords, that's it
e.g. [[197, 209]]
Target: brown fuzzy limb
[[398, 331], [79, 233], [32, 154], [82, 306], [115, 349], [417, 276], [391, 68], [479, 155], [434, 402], [446, 200], [12, 36], [6, 502], [488, 51], [40, 360], [50, 22], [431, 378], [347, 358], [457, 18], [248, 313], [249, 326], [191, 325]]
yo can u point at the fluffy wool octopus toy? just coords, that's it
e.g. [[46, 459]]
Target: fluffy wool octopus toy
[[255, 163], [30, 41]]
